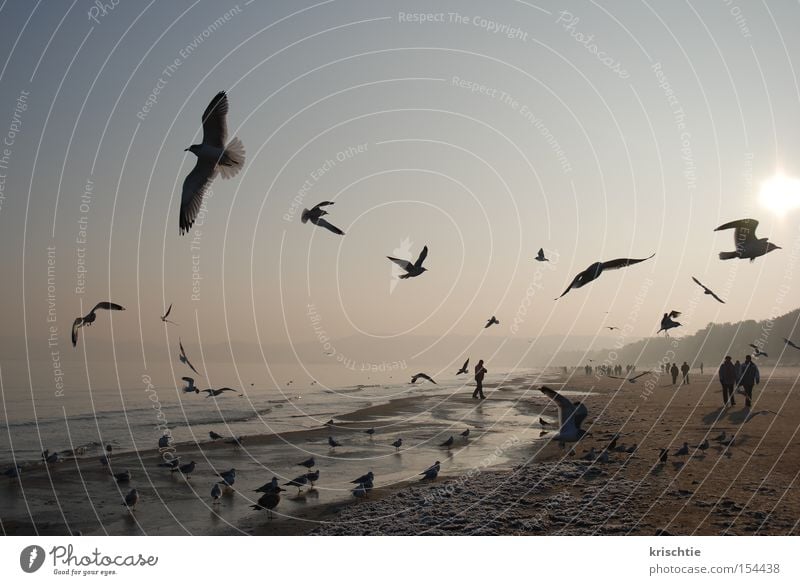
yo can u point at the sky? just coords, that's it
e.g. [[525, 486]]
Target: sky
[[595, 131]]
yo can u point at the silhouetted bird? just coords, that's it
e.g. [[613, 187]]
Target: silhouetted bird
[[370, 432], [298, 482], [540, 256], [416, 377], [667, 322], [90, 318], [431, 472], [397, 444], [366, 478], [662, 458], [707, 290], [448, 443], [791, 343], [269, 501], [465, 434], [270, 486], [186, 469], [214, 155], [165, 315], [492, 321], [757, 351], [414, 269], [184, 359], [131, 499], [747, 244], [463, 369], [214, 436], [597, 269], [314, 215], [217, 391], [123, 476], [216, 492], [312, 477], [704, 445], [333, 443], [308, 463], [683, 451]]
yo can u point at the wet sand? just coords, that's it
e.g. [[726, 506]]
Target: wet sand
[[504, 479]]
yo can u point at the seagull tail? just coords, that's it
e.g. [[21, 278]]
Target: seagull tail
[[728, 255], [232, 159]]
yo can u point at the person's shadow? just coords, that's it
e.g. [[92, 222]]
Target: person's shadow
[[715, 416]]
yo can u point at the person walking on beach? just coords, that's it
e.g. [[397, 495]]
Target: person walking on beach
[[674, 371], [727, 378], [749, 377], [480, 371], [685, 371], [701, 368]]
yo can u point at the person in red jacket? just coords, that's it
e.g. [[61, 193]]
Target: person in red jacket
[[727, 378]]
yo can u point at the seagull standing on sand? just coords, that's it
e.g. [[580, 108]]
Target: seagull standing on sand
[[448, 443], [492, 321], [683, 451], [463, 369], [590, 456], [667, 322], [360, 491], [184, 359], [164, 441], [165, 315], [333, 443], [216, 492], [269, 501], [370, 432], [308, 463], [131, 499], [397, 444], [416, 377], [214, 155], [721, 437], [707, 290], [123, 476], [465, 434], [432, 472], [747, 244], [90, 318], [570, 415], [186, 469], [298, 482], [704, 445], [314, 215], [540, 256], [214, 436], [597, 269], [662, 458], [270, 486], [414, 269], [365, 479], [312, 477]]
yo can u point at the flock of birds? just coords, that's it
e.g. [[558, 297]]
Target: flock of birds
[[216, 155]]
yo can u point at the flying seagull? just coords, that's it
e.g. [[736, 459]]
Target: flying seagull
[[540, 256], [597, 269], [757, 350], [570, 416], [184, 359], [747, 244], [631, 380], [791, 343], [611, 328], [464, 370], [214, 155], [707, 290], [190, 387], [667, 322], [165, 315], [490, 322], [414, 269], [90, 318], [314, 215], [217, 391], [416, 377]]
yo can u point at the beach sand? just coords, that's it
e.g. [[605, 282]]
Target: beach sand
[[504, 480]]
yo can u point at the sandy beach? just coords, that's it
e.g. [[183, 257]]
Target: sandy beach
[[504, 479]]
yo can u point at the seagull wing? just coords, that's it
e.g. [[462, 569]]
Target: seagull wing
[[186, 359], [704, 287], [623, 262], [745, 230], [194, 188], [215, 128], [466, 363], [565, 408], [329, 226], [323, 204], [640, 375], [108, 306], [674, 314], [404, 264], [575, 281], [422, 256], [540, 255], [168, 310], [188, 380], [76, 324]]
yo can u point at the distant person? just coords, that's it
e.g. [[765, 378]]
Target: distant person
[[701, 368], [674, 371], [727, 378], [749, 377], [480, 371], [685, 371]]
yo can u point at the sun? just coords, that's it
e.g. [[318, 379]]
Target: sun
[[780, 194]]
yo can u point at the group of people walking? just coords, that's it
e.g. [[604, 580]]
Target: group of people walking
[[675, 372], [738, 375]]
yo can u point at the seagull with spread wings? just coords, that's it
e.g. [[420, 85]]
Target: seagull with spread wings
[[540, 256], [463, 369], [314, 215], [791, 343], [414, 269], [570, 417], [214, 392], [707, 290], [184, 359], [416, 377], [90, 318], [597, 269], [757, 350], [667, 322], [214, 155], [747, 244], [165, 315], [491, 321]]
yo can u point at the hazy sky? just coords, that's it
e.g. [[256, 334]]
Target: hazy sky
[[596, 131]]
